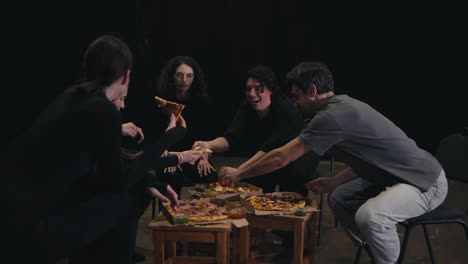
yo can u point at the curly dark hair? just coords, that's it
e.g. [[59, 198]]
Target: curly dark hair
[[306, 73], [166, 87], [265, 76]]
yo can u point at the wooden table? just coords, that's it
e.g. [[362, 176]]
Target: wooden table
[[165, 236], [296, 224]]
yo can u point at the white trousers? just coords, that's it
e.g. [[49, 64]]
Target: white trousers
[[372, 211]]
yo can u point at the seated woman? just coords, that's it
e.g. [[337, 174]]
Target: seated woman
[[182, 81], [139, 161]]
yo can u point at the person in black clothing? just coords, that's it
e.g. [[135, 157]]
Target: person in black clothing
[[67, 191], [182, 80], [139, 161], [265, 121]]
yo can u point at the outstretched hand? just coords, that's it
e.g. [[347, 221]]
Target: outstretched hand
[[132, 130], [204, 167]]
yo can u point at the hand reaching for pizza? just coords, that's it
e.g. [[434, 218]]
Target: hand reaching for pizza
[[170, 197], [132, 130], [320, 185], [228, 176], [204, 167]]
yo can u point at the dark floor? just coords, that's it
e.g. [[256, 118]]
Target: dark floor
[[448, 241]]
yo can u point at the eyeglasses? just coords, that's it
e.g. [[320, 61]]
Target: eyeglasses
[[180, 75], [258, 89]]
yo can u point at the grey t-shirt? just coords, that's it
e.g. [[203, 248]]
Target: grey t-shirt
[[369, 143]]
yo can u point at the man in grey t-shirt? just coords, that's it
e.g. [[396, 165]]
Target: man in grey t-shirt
[[389, 178]]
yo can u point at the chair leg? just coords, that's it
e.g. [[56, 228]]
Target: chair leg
[[358, 255], [319, 225], [465, 227], [428, 243]]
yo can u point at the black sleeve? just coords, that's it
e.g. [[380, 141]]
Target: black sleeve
[[105, 141], [152, 159], [287, 125], [237, 130]]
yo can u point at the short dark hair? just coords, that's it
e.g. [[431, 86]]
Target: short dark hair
[[265, 76], [306, 73]]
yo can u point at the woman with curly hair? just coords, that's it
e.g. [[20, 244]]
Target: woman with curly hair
[[182, 80]]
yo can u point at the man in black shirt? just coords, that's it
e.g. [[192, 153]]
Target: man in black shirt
[[265, 121]]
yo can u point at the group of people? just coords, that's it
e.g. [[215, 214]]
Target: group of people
[[74, 191]]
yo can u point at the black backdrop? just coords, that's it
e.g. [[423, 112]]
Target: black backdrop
[[398, 56]]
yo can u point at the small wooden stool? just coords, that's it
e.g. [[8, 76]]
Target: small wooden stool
[[165, 235], [296, 224]]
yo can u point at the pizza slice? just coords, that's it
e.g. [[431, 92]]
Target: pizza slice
[[169, 107], [205, 150]]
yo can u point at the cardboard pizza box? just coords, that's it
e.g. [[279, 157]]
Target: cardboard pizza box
[[310, 205], [206, 191], [219, 202]]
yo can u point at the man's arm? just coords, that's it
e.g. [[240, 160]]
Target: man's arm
[[219, 144], [271, 161], [275, 159], [252, 160]]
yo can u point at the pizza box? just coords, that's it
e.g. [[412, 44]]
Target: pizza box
[[310, 205], [206, 191], [173, 219]]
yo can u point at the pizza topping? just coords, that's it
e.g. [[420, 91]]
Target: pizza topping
[[276, 202], [198, 211]]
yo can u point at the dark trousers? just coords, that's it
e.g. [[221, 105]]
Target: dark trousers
[[101, 229]]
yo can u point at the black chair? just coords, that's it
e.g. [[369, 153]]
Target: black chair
[[452, 153]]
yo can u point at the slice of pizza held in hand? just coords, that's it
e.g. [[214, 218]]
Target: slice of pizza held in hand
[[205, 150], [169, 107]]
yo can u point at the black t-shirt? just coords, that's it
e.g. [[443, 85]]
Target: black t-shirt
[[249, 134]]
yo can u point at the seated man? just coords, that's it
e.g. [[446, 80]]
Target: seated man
[[389, 178], [265, 121]]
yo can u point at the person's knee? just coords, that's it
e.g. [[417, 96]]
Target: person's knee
[[368, 218]]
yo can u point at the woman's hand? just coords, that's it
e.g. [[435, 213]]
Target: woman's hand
[[189, 156], [170, 197], [204, 167], [130, 129], [173, 122]]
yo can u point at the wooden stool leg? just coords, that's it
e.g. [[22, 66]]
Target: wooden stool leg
[[312, 231], [222, 242], [159, 257], [299, 243], [171, 248], [243, 244]]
